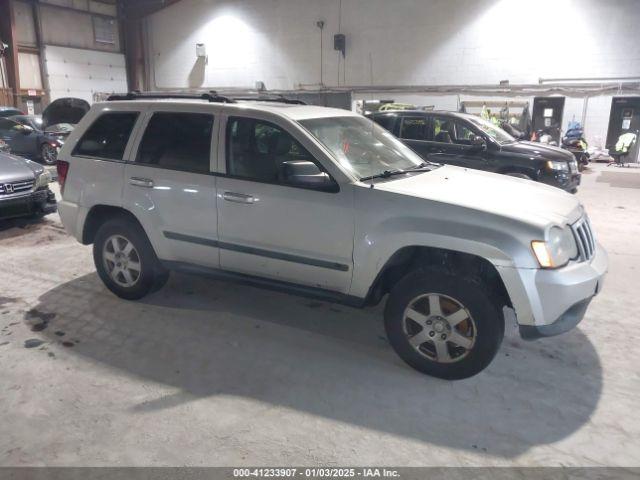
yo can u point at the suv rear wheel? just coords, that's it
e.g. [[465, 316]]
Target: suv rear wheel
[[443, 325], [125, 260]]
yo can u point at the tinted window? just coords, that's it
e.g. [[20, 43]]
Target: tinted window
[[443, 130], [6, 124], [449, 130], [108, 136], [386, 121], [414, 128], [259, 150], [177, 141], [463, 134]]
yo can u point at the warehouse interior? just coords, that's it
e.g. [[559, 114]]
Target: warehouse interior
[[208, 373]]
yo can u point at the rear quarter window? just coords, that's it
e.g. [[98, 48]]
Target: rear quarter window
[[107, 137]]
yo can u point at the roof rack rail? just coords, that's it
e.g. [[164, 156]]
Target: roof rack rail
[[272, 98], [210, 96]]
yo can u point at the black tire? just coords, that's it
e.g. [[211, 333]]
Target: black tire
[[488, 323], [48, 154], [152, 276], [519, 175]]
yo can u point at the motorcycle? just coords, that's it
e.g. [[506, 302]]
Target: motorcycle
[[574, 142]]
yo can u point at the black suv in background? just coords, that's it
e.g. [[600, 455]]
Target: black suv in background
[[470, 141]]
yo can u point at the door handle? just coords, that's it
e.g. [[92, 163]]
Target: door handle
[[238, 197], [141, 182]]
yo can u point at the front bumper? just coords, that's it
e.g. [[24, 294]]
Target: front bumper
[[41, 201], [551, 302], [568, 181]]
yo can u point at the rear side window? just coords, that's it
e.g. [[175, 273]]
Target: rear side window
[[386, 121], [414, 128], [177, 141], [107, 137]]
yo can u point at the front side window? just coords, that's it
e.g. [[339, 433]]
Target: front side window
[[108, 136], [362, 146], [6, 124], [261, 151], [177, 141], [450, 130], [10, 125], [414, 128]]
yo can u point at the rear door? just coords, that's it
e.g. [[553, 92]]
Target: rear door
[[169, 185], [271, 229], [414, 131]]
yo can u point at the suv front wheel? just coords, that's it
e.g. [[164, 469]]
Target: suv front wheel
[[125, 260], [443, 325]]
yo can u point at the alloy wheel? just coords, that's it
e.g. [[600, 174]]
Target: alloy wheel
[[122, 261], [439, 328], [49, 154]]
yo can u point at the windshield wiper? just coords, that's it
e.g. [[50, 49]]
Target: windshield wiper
[[385, 174], [423, 165], [390, 173]]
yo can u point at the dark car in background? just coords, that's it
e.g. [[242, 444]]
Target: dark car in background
[[9, 111], [40, 137], [470, 141], [24, 188], [29, 142]]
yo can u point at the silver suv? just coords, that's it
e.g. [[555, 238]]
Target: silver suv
[[325, 203]]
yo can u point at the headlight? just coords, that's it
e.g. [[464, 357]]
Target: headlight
[[557, 250], [43, 179], [553, 165]]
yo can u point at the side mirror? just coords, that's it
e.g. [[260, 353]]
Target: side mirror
[[478, 142], [26, 130], [301, 173]]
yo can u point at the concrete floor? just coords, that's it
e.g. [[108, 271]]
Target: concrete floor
[[208, 373]]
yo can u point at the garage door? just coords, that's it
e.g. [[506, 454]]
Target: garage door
[[81, 73]]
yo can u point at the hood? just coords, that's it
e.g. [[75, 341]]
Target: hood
[[516, 198], [537, 150], [14, 168], [64, 110]]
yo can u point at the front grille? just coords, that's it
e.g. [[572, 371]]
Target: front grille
[[584, 238], [15, 187]]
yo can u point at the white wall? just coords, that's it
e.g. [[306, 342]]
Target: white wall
[[399, 42], [405, 41]]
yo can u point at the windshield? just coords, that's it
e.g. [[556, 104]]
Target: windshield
[[361, 146], [490, 129]]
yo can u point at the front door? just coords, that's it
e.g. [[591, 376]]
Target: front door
[[272, 229], [451, 144], [169, 182], [21, 140]]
